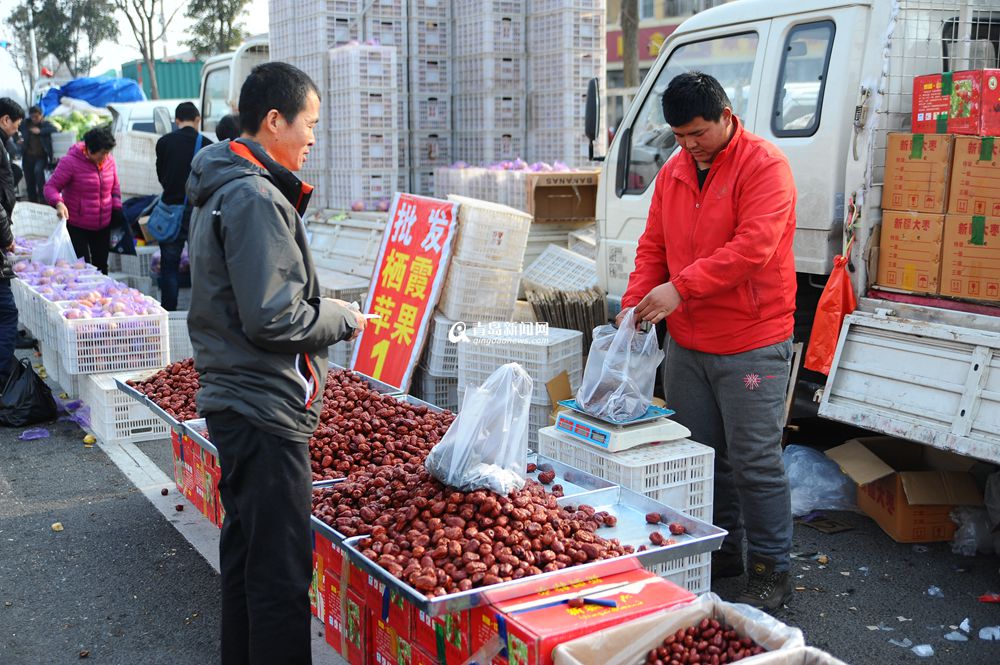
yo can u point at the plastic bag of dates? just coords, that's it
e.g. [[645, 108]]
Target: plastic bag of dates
[[487, 445], [621, 370], [708, 630]]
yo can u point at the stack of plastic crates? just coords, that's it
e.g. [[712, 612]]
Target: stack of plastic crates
[[95, 346], [560, 269], [490, 81], [680, 474], [430, 103], [437, 378], [180, 338], [114, 416], [584, 241], [566, 48]]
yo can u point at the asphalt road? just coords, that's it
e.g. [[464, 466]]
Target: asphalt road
[[122, 583]]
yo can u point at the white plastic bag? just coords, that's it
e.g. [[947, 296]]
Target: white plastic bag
[[486, 446], [59, 247], [816, 481], [621, 370]]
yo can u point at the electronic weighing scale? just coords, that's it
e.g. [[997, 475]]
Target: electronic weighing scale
[[653, 426]]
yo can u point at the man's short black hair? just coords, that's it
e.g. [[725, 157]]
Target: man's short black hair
[[35, 109], [273, 85], [693, 94], [11, 109], [228, 127], [186, 112], [98, 139]]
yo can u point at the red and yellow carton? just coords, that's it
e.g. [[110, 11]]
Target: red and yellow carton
[[534, 624], [970, 262], [449, 637], [966, 102], [347, 625], [975, 177], [392, 649], [917, 172], [177, 441], [910, 251], [322, 559], [193, 474], [389, 607]]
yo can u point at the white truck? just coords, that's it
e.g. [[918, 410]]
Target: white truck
[[826, 80], [222, 77]]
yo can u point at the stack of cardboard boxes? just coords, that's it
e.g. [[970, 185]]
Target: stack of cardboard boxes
[[941, 199]]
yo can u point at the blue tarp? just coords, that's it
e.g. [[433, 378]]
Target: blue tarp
[[97, 91]]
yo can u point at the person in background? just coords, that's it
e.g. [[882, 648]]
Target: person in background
[[174, 152], [11, 115], [36, 152], [228, 128], [716, 263], [85, 191], [260, 333]]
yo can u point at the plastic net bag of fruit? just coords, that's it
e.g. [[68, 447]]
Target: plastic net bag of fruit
[[486, 446], [621, 370]]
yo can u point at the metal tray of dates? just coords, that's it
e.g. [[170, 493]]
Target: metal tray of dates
[[416, 401], [629, 507], [374, 384], [575, 483]]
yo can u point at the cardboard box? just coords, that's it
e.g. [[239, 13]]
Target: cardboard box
[[907, 488], [347, 626], [193, 474], [970, 260], [917, 172], [391, 649], [966, 102], [177, 442], [975, 177], [389, 607], [532, 635], [322, 559], [454, 630], [562, 196], [910, 251]]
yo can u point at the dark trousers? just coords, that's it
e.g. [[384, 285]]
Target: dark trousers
[[8, 329], [34, 178], [91, 246], [265, 550], [170, 263]]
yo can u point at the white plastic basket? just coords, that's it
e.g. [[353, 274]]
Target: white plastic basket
[[180, 338], [430, 76], [693, 573], [680, 474], [466, 10], [440, 355], [489, 234], [567, 29], [345, 250], [114, 262], [135, 161], [365, 150], [341, 353], [564, 70], [387, 31], [583, 242], [488, 147], [431, 112], [96, 346], [363, 67], [387, 8], [489, 112], [440, 391], [558, 268], [429, 37], [33, 220], [370, 187], [540, 6], [550, 233], [556, 109], [361, 111], [489, 71], [138, 265], [422, 181], [116, 417], [349, 288], [472, 293], [70, 383], [550, 145], [430, 8], [489, 33], [430, 149]]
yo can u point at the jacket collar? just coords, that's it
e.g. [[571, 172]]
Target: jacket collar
[[688, 169], [291, 187]]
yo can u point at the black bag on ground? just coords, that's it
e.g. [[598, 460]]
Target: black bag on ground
[[25, 399]]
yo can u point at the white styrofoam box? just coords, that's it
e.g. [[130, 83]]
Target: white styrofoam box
[[473, 293], [438, 390], [361, 110], [463, 10], [347, 246], [693, 573], [566, 29], [440, 354], [33, 219], [366, 150], [94, 346], [486, 147], [440, 9], [489, 112], [430, 76], [343, 286], [429, 37], [370, 187], [430, 149], [138, 265], [523, 312], [558, 268], [362, 67], [422, 181], [489, 234], [341, 353], [564, 145], [583, 242], [564, 70], [387, 31], [430, 112], [680, 474], [115, 416], [489, 71], [180, 338], [489, 33]]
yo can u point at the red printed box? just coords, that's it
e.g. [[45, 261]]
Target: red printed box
[[347, 625], [966, 102], [322, 559], [177, 441], [392, 649], [193, 474], [536, 623], [451, 632], [389, 607]]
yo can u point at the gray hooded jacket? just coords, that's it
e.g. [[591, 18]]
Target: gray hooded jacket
[[259, 329]]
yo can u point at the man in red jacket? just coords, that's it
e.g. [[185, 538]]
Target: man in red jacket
[[716, 262]]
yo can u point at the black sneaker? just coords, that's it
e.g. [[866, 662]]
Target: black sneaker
[[24, 340], [727, 564], [766, 588]]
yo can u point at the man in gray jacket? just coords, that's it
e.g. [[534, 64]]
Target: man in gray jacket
[[260, 332]]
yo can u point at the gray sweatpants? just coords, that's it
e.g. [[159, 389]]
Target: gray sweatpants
[[736, 405]]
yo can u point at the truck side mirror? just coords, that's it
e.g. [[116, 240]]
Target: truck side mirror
[[592, 116]]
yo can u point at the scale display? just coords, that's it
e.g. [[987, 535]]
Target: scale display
[[654, 426]]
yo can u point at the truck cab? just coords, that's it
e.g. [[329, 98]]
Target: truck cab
[[825, 81], [222, 77]]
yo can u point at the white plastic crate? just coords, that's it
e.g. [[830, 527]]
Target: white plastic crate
[[440, 391], [489, 112], [95, 346], [362, 67], [564, 70], [430, 112], [439, 9], [680, 474], [430, 149], [135, 161], [374, 150], [319, 179], [550, 233], [285, 9], [555, 109], [341, 353], [422, 181], [340, 285], [558, 268], [489, 234], [403, 155], [345, 248], [538, 419], [583, 242], [472, 293], [693, 573], [138, 265], [463, 10], [114, 262], [489, 33], [565, 145], [50, 361], [430, 76], [180, 338], [387, 31], [370, 187], [33, 219], [361, 111], [440, 354], [566, 29], [387, 8], [429, 38], [489, 71], [489, 147], [116, 417], [70, 383]]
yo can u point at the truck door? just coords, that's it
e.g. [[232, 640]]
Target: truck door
[[644, 142]]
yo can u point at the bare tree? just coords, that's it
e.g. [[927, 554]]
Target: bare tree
[[143, 17], [630, 42]]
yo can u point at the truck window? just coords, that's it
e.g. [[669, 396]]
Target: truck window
[[214, 104], [802, 79], [729, 59]]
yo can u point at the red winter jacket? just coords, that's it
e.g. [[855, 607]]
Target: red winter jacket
[[89, 192], [727, 248]]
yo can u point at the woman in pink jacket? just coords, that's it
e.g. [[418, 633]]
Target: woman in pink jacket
[[86, 193]]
